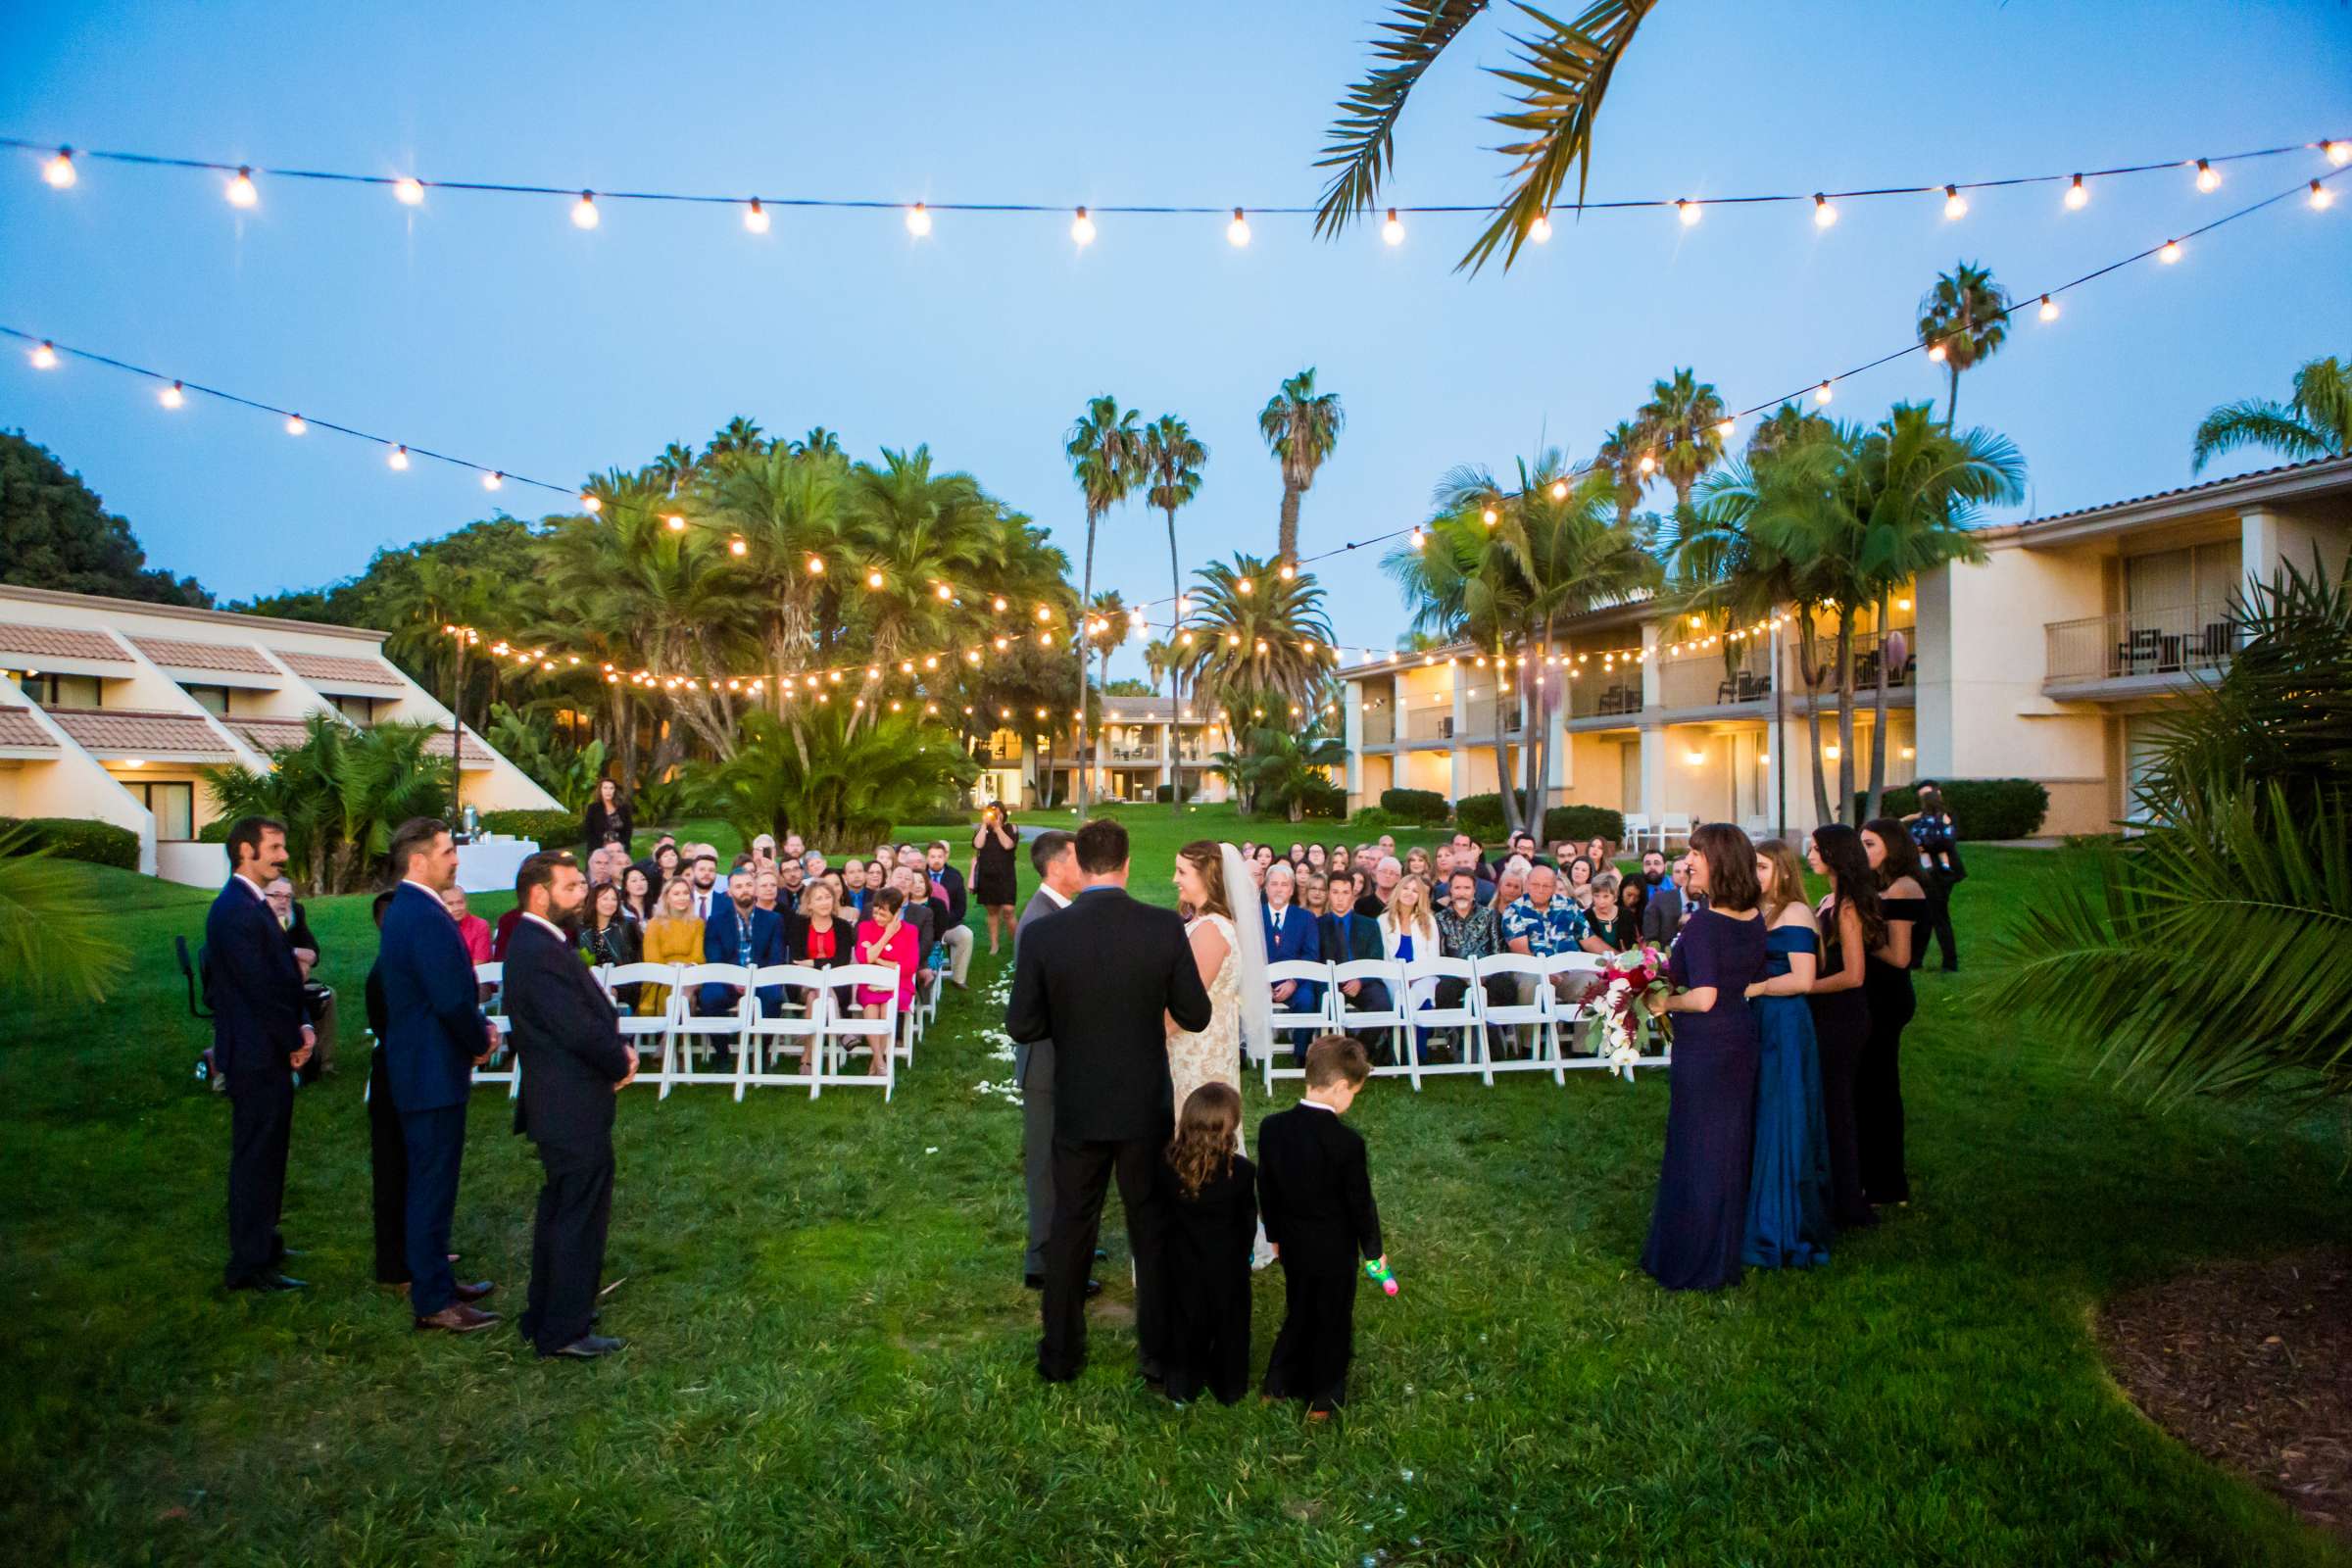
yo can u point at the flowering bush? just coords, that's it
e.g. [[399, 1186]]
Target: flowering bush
[[1629, 978]]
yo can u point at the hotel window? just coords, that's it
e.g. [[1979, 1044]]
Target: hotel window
[[2180, 580], [360, 711], [59, 691], [173, 806], [213, 700]]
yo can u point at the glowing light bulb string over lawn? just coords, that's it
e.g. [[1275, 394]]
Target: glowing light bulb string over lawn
[[60, 166], [47, 355]]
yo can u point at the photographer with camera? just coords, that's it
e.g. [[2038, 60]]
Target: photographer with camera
[[995, 885]]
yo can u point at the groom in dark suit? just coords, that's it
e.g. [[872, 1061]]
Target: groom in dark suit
[[1101, 979]]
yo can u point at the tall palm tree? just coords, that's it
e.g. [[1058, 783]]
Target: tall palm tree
[[1260, 642], [819, 442], [2316, 422], [1106, 449], [1172, 462], [1967, 316], [1683, 417], [738, 436], [1620, 459], [677, 464], [1300, 428]]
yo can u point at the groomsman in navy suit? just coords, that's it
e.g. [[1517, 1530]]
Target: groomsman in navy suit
[[436, 1037], [739, 931], [259, 1038], [1346, 937]]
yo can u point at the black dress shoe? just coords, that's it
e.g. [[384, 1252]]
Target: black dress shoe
[[271, 1283], [1037, 1282], [587, 1347], [475, 1291]]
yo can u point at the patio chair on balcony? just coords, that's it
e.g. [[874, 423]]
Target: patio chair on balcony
[[2136, 654]]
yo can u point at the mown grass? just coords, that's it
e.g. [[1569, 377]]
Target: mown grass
[[830, 1344]]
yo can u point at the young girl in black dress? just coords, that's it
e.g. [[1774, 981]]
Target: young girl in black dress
[[1212, 1225]]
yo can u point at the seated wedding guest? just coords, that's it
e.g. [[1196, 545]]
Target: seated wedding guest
[[795, 846], [1335, 858], [822, 938], [922, 913], [1292, 936], [1317, 859], [294, 923], [812, 865], [1633, 899], [668, 865], [1314, 896], [1417, 863], [1540, 924], [1212, 1209], [1314, 1193], [702, 883], [763, 891], [791, 878], [853, 883], [606, 935], [473, 929], [1372, 898], [674, 934], [1662, 918], [763, 852], [740, 932], [948, 888], [1466, 930], [651, 863], [884, 936], [1508, 887], [608, 820], [1597, 851], [1580, 881], [1408, 931], [1347, 938], [1297, 856], [1606, 921], [607, 862], [636, 897], [1562, 853], [1388, 844]]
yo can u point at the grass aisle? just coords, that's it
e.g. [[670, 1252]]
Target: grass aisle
[[830, 1357]]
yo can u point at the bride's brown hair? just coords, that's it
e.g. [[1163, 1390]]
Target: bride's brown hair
[[1203, 1149], [1208, 856]]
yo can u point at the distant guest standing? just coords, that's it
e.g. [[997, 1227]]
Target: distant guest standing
[[259, 1038], [574, 1063], [994, 883], [607, 818], [1937, 837]]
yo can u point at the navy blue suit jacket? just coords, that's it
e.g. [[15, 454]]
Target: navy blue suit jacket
[[435, 1023], [1348, 936], [719, 947], [253, 985], [1298, 938]]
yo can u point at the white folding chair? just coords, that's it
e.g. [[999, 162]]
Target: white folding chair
[[1567, 1015], [766, 1034], [840, 1028], [504, 1067], [1464, 1018], [1356, 1020], [1636, 828], [695, 1031], [1316, 1020], [642, 1031], [1537, 1015], [1673, 826]]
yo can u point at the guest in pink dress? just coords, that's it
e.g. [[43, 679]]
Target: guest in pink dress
[[884, 936]]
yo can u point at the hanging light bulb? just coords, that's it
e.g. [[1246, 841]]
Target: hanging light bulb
[[1823, 214], [816, 565], [918, 220], [1045, 611], [493, 479], [739, 547], [1936, 352], [2171, 252], [59, 172], [45, 357], [2209, 178], [398, 458], [2321, 198], [1393, 229], [1237, 232], [1184, 604], [2078, 195], [1686, 209], [1288, 571], [2339, 153], [942, 592], [583, 212], [1955, 205], [240, 189], [1082, 228], [1726, 427], [755, 218], [591, 505], [1246, 585], [172, 395], [296, 425], [1648, 464], [675, 523], [1416, 539], [1541, 230], [1559, 489], [1821, 393], [2049, 308], [409, 191], [1488, 516], [873, 579]]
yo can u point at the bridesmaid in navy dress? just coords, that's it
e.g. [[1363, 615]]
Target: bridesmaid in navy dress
[[1788, 1195], [1850, 926], [1886, 981], [1700, 1221]]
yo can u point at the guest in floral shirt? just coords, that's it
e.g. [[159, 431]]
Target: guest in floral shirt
[[1468, 930], [1542, 923]]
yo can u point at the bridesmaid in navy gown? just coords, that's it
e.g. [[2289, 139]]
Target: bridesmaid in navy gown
[[1850, 926], [1886, 981], [1700, 1221], [1788, 1195]]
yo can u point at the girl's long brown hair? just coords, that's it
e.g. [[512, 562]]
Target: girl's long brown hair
[[1787, 877], [1207, 858], [1203, 1149]]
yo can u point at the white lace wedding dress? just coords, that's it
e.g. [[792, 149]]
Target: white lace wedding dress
[[1215, 1054]]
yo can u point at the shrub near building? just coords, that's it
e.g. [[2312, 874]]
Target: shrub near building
[[72, 837], [1418, 806]]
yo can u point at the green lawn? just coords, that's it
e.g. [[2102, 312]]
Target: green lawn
[[830, 1355]]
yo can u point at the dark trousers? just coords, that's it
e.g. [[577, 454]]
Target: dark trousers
[[1036, 1069], [1373, 996], [1939, 919], [388, 1169], [260, 1124], [568, 1241], [1318, 1337], [436, 1144], [1083, 1169]]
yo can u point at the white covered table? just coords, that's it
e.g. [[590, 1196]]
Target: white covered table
[[489, 864]]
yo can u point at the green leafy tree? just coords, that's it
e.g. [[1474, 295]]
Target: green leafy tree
[[529, 741], [2316, 422], [54, 533], [1300, 428], [835, 783], [340, 791], [1966, 316], [1283, 767]]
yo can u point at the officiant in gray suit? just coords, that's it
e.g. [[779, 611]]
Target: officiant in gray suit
[[1055, 854]]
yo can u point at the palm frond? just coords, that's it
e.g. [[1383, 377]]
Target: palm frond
[[54, 942], [2257, 423], [1361, 149]]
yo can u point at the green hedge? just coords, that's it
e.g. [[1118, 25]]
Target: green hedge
[[1480, 816], [1580, 823], [1324, 801], [1414, 806], [551, 830], [1983, 807], [72, 838], [1165, 794]]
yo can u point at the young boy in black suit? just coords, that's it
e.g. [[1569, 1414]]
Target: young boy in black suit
[[1315, 1196]]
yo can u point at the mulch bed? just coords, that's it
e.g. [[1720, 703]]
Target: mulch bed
[[2250, 1363]]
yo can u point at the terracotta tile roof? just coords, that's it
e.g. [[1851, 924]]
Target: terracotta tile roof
[[268, 734], [133, 731], [180, 655], [437, 745], [59, 642], [20, 728], [333, 667], [2344, 463]]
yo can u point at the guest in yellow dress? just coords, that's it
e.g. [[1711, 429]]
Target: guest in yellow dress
[[672, 936]]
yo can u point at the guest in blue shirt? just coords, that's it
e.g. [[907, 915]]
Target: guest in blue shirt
[[1541, 923], [1290, 935], [740, 932], [1348, 936]]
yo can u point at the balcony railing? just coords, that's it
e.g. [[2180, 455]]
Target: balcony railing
[[1436, 722], [1380, 725], [1136, 754], [2188, 639], [1597, 694], [1710, 681], [1432, 724]]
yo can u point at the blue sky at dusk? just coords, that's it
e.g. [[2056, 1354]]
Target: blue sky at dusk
[[491, 327]]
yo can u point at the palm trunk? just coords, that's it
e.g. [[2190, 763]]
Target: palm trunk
[[1878, 730], [1085, 598], [1175, 678], [1808, 649], [1286, 538], [1503, 786], [1951, 401], [624, 731], [1845, 709]]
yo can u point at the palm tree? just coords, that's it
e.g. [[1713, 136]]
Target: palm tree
[[1106, 449], [1300, 428], [1682, 418], [1620, 459], [677, 464], [1284, 767], [55, 940], [850, 784], [819, 442], [340, 791], [2316, 422], [1561, 70], [1260, 641], [1172, 462], [1966, 315], [738, 436]]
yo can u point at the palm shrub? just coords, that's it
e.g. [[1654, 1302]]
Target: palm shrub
[[54, 936], [1286, 771], [832, 782], [340, 791], [2249, 836], [529, 741]]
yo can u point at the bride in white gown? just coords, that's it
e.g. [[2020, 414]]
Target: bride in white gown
[[1229, 942]]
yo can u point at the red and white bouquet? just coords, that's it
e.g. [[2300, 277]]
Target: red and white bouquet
[[1628, 979]]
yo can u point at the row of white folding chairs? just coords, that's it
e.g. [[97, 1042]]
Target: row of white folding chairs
[[1545, 1021], [811, 1025], [1639, 831]]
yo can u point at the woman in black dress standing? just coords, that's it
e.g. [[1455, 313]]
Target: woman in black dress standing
[[606, 820], [1887, 982], [1701, 1220], [994, 882], [1850, 926]]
